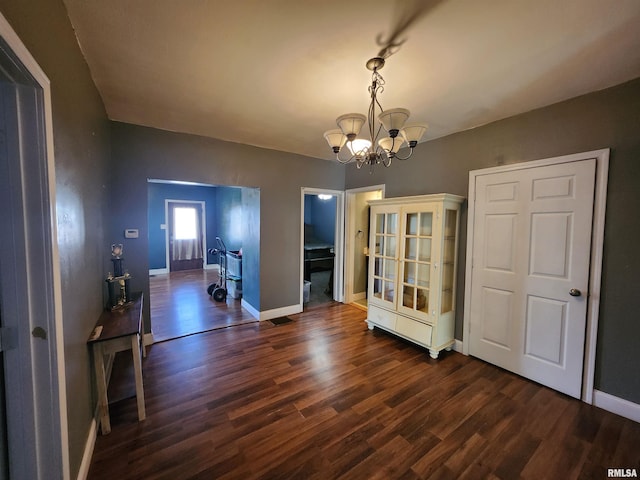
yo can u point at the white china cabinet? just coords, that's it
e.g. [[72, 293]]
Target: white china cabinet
[[413, 247]]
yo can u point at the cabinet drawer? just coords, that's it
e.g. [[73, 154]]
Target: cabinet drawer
[[417, 331], [382, 317]]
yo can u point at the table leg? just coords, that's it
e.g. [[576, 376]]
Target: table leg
[[137, 368], [101, 386]]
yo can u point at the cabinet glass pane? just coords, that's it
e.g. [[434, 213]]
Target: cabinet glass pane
[[377, 267], [412, 224], [389, 269], [415, 298], [426, 223], [422, 301], [424, 275], [409, 272], [377, 288], [379, 245], [448, 256], [392, 222], [411, 248], [424, 249], [450, 218], [388, 291], [390, 247], [380, 223], [447, 301], [449, 249], [408, 297]]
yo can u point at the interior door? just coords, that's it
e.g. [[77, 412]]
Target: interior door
[[186, 251], [530, 271]]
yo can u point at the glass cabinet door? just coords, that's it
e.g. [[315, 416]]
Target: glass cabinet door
[[385, 256], [416, 263]]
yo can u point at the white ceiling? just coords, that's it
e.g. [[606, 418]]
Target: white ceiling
[[276, 73]]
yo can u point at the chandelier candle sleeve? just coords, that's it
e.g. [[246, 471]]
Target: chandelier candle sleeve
[[373, 150]]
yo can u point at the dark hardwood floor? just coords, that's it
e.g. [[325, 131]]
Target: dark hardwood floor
[[181, 306], [322, 397]]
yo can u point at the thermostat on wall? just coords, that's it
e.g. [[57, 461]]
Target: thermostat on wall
[[131, 233]]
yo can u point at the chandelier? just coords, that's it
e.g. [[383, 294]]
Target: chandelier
[[373, 150]]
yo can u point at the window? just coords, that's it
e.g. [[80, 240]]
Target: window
[[185, 223]]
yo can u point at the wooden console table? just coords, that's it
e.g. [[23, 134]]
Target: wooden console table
[[117, 331]]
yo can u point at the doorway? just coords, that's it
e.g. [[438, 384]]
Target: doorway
[[178, 285], [186, 234], [533, 268], [35, 442], [357, 243], [322, 219]]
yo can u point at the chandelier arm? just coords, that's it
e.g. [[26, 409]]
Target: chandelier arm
[[407, 157], [343, 160]]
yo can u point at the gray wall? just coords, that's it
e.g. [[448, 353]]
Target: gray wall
[[606, 119], [82, 138], [251, 246], [140, 153]]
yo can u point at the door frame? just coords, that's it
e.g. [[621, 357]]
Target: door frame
[[41, 448], [338, 244], [595, 267], [350, 233], [203, 224]]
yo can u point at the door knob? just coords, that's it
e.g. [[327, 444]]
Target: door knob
[[574, 292]]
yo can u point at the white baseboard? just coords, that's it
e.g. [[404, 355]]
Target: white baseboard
[[269, 314], [88, 449], [158, 271], [280, 312], [246, 305], [359, 296], [617, 405], [457, 346], [164, 271]]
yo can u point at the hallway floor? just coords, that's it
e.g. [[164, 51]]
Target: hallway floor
[[180, 305]]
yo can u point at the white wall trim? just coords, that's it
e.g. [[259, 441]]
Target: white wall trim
[[597, 240], [89, 447], [616, 405], [250, 308], [158, 271], [269, 314], [458, 346], [358, 296], [164, 271], [59, 450]]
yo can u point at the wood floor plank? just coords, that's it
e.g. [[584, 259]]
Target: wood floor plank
[[322, 397]]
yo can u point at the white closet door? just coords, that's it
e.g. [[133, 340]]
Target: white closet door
[[530, 271]]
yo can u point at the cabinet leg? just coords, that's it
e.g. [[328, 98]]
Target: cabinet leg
[[449, 348], [370, 325], [434, 353]]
